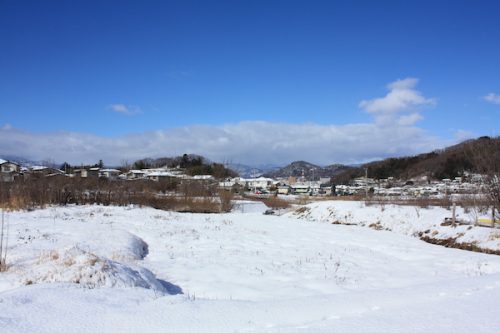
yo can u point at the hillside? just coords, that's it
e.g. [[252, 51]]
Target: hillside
[[479, 155], [193, 164], [247, 171], [308, 170]]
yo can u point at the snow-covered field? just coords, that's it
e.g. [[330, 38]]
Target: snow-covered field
[[126, 269], [406, 220]]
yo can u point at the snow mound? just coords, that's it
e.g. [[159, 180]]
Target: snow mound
[[118, 245], [135, 248], [75, 265]]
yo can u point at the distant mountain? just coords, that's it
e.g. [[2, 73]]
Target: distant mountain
[[247, 171], [22, 161], [451, 162], [308, 170]]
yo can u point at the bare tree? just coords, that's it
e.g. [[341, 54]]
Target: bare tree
[[485, 155]]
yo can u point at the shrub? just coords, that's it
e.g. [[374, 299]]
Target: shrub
[[274, 202]]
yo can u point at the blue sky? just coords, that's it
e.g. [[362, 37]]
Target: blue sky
[[279, 80]]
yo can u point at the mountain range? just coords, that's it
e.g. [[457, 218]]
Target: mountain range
[[307, 170]]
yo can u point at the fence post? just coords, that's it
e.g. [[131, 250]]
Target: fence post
[[493, 216], [454, 216], [1, 243]]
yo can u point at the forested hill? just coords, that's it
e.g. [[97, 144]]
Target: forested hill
[[480, 155]]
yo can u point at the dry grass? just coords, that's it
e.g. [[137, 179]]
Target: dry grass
[[226, 200], [422, 202], [276, 203], [196, 197], [452, 242]]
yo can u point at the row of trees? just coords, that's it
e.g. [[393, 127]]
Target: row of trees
[[194, 196]]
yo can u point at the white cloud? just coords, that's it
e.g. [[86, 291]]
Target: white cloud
[[462, 135], [7, 127], [411, 119], [391, 133], [492, 98], [394, 107], [128, 110], [252, 143]]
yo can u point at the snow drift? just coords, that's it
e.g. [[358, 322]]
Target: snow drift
[[75, 265]]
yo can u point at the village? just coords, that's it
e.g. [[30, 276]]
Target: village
[[321, 187]]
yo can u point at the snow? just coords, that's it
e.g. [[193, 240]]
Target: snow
[[78, 266], [129, 269], [243, 206], [110, 170], [38, 167], [405, 220]]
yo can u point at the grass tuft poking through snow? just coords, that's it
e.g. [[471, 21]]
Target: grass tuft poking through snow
[[75, 265]]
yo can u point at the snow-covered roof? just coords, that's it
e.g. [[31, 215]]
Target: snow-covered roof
[[203, 177], [2, 161], [148, 171], [161, 174], [260, 179], [138, 172], [110, 170], [38, 167], [295, 186]]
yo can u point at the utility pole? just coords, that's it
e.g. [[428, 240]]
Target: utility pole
[[366, 183]]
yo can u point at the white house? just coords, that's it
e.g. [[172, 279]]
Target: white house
[[254, 183], [283, 189], [160, 176], [8, 170], [300, 189], [111, 174], [136, 174]]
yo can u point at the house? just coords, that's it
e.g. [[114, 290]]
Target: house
[[135, 174], [38, 171], [258, 183], [8, 171], [300, 189], [111, 174], [283, 189], [227, 184], [362, 181], [81, 173], [93, 172], [326, 189], [159, 176]]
